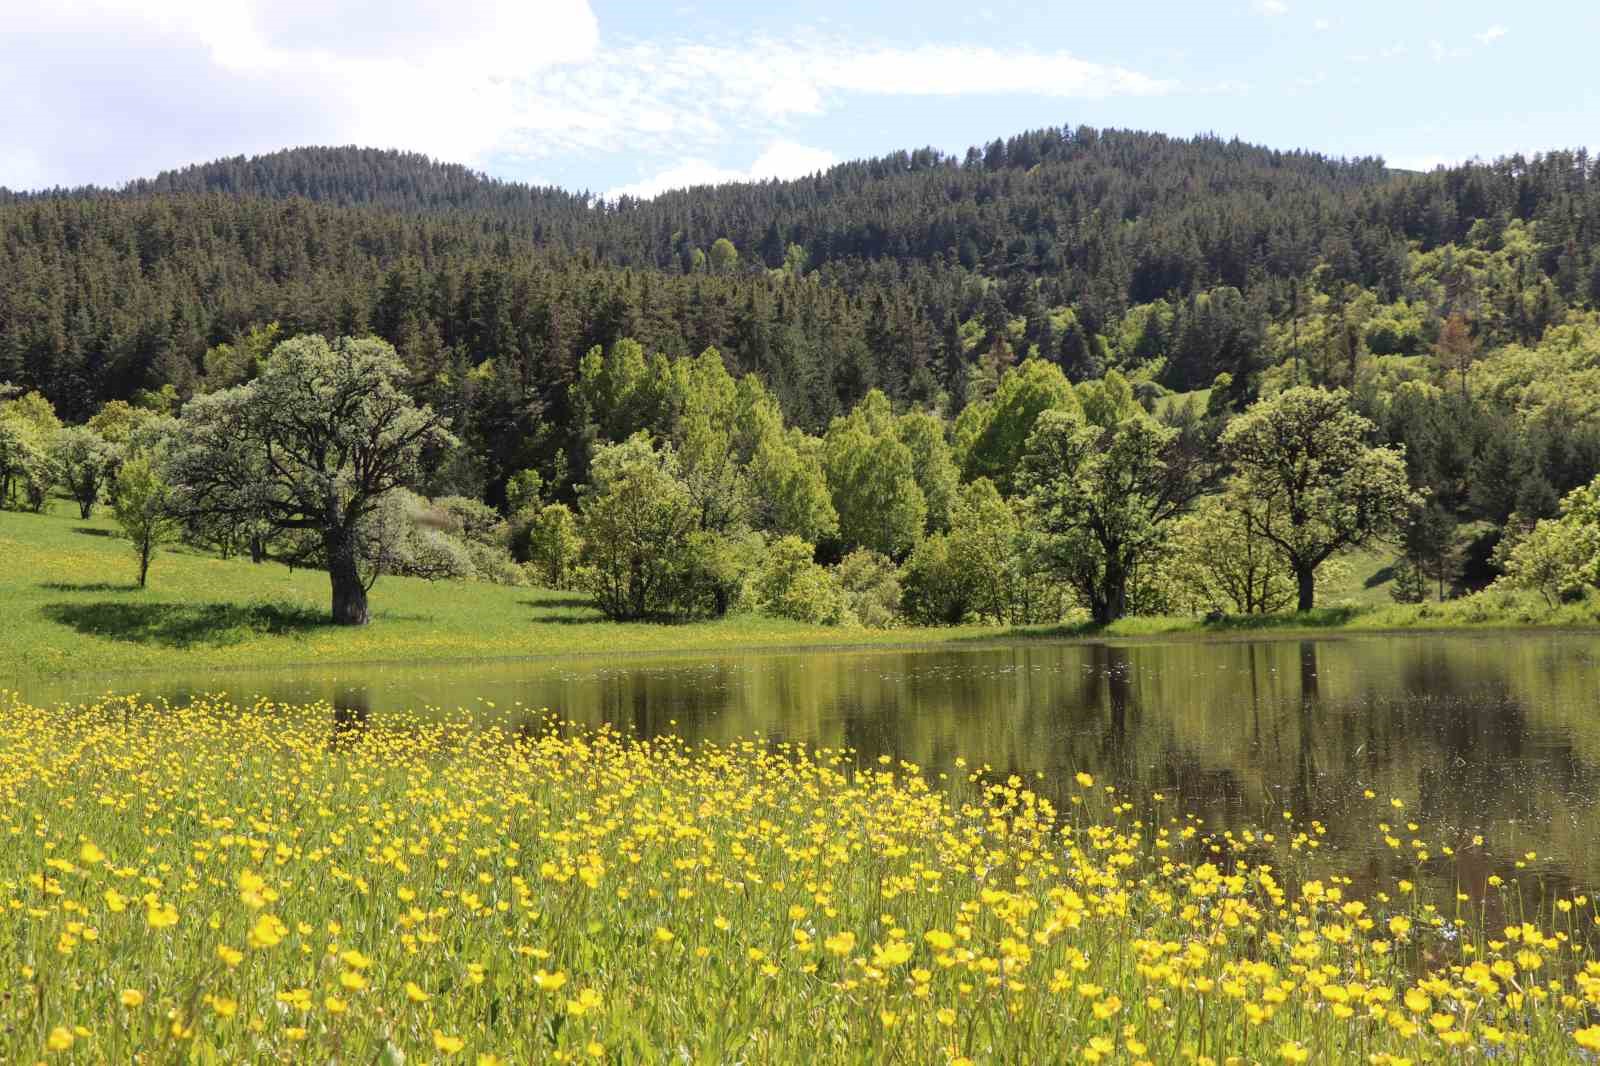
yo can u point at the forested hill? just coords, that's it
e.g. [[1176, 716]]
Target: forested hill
[[406, 181], [919, 273]]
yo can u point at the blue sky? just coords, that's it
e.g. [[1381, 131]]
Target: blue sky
[[612, 96]]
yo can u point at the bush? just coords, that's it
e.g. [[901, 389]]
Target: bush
[[871, 585], [790, 584]]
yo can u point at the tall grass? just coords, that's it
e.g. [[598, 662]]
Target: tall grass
[[222, 883]]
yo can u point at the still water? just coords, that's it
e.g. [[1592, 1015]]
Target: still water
[[1496, 734]]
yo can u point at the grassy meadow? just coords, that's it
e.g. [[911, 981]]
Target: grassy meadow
[[221, 883], [71, 604]]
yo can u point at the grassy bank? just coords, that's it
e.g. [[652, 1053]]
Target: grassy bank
[[1484, 611], [71, 606], [269, 883], [70, 603]]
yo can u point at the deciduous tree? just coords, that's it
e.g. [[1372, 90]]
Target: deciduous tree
[[1313, 484], [315, 443]]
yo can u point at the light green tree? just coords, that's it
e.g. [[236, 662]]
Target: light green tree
[[118, 420], [937, 590], [553, 545], [933, 465], [1221, 562], [992, 547], [636, 516], [1558, 557], [788, 490], [724, 256], [871, 585], [524, 489], [85, 464], [24, 462], [227, 365], [991, 436], [1311, 483], [790, 584], [142, 503], [872, 480]]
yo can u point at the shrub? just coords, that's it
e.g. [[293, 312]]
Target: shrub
[[790, 584], [871, 585]]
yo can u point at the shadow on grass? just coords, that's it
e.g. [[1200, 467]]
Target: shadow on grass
[[90, 531], [1319, 618], [180, 625], [1378, 577], [558, 603], [90, 586]]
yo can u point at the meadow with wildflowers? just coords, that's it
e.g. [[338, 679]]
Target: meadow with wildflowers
[[265, 883]]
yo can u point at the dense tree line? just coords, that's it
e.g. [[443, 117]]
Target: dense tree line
[[890, 331]]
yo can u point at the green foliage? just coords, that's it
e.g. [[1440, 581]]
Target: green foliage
[[1558, 557], [1103, 498], [635, 520], [552, 544], [313, 444], [524, 489], [933, 465], [790, 584], [85, 464], [936, 590], [724, 257], [871, 586], [788, 490], [227, 365], [872, 479], [1410, 583], [25, 465], [993, 549], [142, 504], [117, 421], [1310, 483], [1220, 562], [992, 438]]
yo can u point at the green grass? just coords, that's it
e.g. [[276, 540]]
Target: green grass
[[1485, 610], [71, 607], [70, 603]]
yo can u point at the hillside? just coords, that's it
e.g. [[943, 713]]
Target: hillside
[[918, 273]]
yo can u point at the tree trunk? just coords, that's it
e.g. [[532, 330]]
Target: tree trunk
[[85, 508], [258, 550], [146, 548], [1306, 577], [349, 594], [1112, 603]]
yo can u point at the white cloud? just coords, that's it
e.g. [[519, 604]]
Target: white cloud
[[1420, 162], [781, 159], [151, 84], [1491, 35], [1440, 51], [1320, 25], [1270, 7], [108, 89]]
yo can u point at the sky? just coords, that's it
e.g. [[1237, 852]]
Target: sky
[[614, 97]]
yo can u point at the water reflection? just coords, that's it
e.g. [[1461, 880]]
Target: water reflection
[[352, 717], [1492, 734]]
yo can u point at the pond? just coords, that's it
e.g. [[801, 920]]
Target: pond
[[1496, 734]]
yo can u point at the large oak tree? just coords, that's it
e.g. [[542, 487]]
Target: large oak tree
[[315, 443]]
